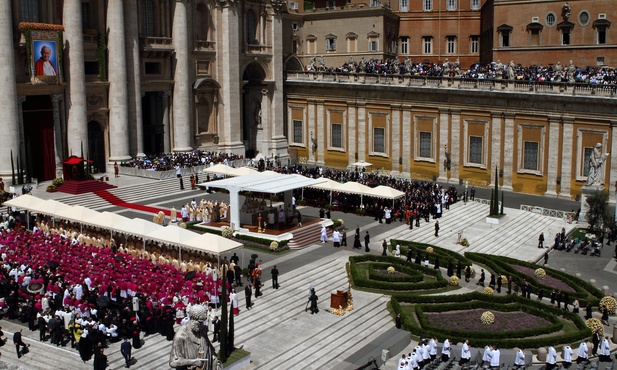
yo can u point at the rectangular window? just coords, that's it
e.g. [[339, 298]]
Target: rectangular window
[[331, 44], [451, 5], [373, 45], [586, 157], [530, 159], [426, 144], [375, 3], [601, 35], [427, 5], [336, 135], [475, 44], [298, 132], [475, 149], [29, 10], [152, 68], [404, 45], [505, 38], [379, 137], [330, 4], [475, 4], [427, 45], [565, 37], [451, 44], [91, 68], [404, 5], [85, 16]]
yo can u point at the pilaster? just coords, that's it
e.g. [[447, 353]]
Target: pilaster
[[443, 143], [312, 126], [455, 145], [351, 133], [166, 126], [406, 136], [496, 119], [134, 80], [321, 133], [55, 100], [612, 180], [118, 94], [182, 104], [553, 156], [567, 157], [396, 138], [9, 140], [279, 145], [77, 118], [508, 151], [362, 135]]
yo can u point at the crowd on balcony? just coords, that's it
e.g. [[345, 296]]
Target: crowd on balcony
[[494, 71], [173, 161]]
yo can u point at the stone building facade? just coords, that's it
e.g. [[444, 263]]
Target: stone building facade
[[145, 76]]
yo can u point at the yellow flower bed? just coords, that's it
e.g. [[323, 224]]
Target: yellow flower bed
[[540, 273], [488, 290], [391, 270], [454, 280], [487, 318], [430, 250], [610, 304]]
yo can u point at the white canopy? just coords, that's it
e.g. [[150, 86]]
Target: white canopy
[[24, 202], [382, 191], [211, 243], [221, 169], [361, 164], [327, 184], [53, 208], [138, 227], [171, 235], [106, 220], [243, 171], [270, 183], [77, 213], [353, 188]]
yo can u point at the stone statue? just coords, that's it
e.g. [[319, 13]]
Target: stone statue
[[596, 167], [407, 65], [322, 63], [558, 72], [511, 70], [314, 146], [446, 68], [499, 70], [191, 348], [258, 114], [571, 71], [362, 65], [565, 11], [457, 68]]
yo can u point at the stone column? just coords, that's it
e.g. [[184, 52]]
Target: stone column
[[279, 144], [118, 104], [362, 135], [265, 129], [9, 140], [134, 80], [406, 154], [553, 156], [351, 133], [312, 126], [166, 129], [396, 138], [443, 143], [77, 119], [567, 158], [182, 124], [20, 124], [508, 151], [55, 100], [228, 44], [321, 132], [455, 145], [613, 163], [495, 144]]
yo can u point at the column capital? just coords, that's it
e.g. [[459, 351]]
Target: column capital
[[455, 111], [554, 119], [568, 119], [444, 111], [509, 115], [407, 107], [396, 106], [496, 115]]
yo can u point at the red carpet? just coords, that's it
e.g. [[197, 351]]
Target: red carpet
[[83, 186], [109, 197]]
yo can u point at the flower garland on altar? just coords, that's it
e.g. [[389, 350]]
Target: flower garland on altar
[[540, 273], [610, 304], [487, 318]]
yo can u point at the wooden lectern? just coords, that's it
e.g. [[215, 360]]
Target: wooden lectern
[[339, 299]]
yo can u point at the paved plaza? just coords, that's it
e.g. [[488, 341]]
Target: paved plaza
[[277, 331]]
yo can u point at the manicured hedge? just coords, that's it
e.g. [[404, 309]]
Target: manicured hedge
[[361, 280], [445, 255], [412, 275], [584, 291], [409, 323]]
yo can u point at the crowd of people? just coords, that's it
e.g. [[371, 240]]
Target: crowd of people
[[173, 161], [495, 70]]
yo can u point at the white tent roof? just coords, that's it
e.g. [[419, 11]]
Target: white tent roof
[[53, 208], [353, 188], [211, 243], [327, 184], [138, 227], [271, 183], [78, 213], [243, 171], [172, 235], [221, 169], [106, 220], [382, 191], [361, 164], [24, 202]]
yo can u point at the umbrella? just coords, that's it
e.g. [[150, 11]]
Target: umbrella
[[189, 275], [119, 258], [102, 301], [53, 264]]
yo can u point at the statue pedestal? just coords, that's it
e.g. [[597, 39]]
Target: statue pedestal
[[585, 193]]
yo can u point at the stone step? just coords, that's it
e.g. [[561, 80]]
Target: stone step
[[307, 235]]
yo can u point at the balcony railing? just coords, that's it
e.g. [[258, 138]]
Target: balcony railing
[[202, 45]]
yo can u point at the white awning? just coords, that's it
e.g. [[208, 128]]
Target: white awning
[[353, 188], [382, 191], [221, 169], [27, 202], [270, 183], [138, 227], [211, 243]]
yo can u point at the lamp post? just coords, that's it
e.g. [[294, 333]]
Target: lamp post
[[466, 186]]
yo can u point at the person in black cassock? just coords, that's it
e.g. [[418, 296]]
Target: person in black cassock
[[367, 240], [450, 268], [356, 239], [313, 299], [275, 277]]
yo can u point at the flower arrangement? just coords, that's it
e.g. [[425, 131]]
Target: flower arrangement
[[430, 250], [488, 290], [182, 225], [465, 242], [341, 221], [487, 318], [23, 26], [595, 325], [504, 279], [454, 280], [610, 303], [274, 245], [540, 273], [227, 232], [391, 270]]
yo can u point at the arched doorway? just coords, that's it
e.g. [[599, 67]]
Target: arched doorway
[[252, 126], [96, 146]]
